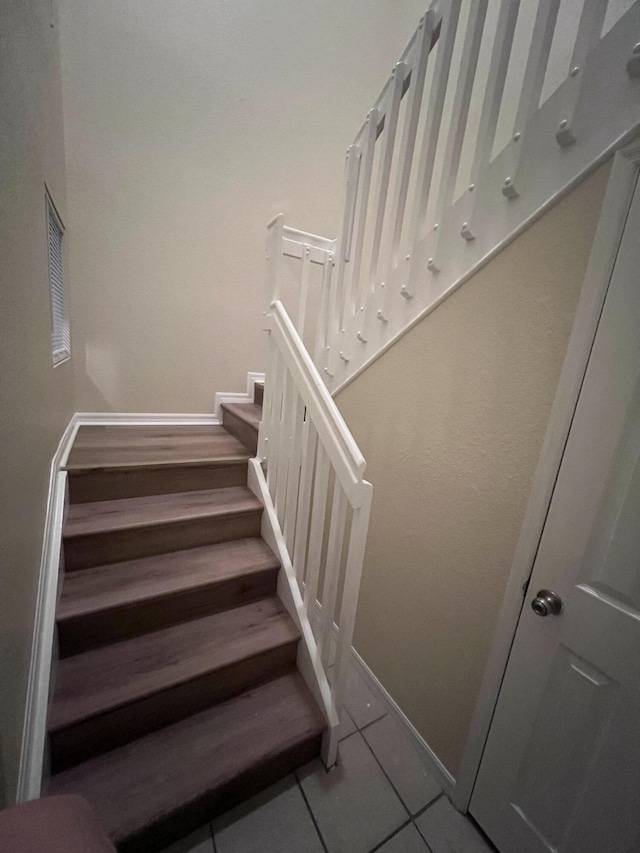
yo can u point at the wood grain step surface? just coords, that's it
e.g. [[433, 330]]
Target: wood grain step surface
[[111, 695], [161, 787], [242, 420], [112, 482], [104, 532], [105, 604], [111, 462], [148, 445]]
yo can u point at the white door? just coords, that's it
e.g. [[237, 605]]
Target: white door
[[561, 768]]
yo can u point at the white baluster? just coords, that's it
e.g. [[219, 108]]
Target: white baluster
[[274, 431], [267, 403], [284, 445], [459, 115], [317, 524], [390, 128], [306, 481], [532, 83], [304, 288], [426, 159], [492, 101], [370, 136], [589, 29], [319, 356], [336, 296], [274, 260], [351, 588], [293, 477], [332, 573]]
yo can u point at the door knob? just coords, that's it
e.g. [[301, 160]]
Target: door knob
[[547, 603]]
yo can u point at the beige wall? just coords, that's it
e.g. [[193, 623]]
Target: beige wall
[[460, 408], [188, 126], [36, 398]]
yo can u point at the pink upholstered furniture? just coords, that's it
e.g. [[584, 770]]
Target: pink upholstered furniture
[[64, 824]]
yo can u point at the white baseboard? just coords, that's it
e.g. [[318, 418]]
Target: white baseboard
[[37, 702], [145, 418], [34, 729], [237, 396], [429, 757]]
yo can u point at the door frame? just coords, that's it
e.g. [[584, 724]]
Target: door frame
[[604, 251]]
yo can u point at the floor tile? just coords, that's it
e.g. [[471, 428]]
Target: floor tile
[[447, 831], [402, 763], [198, 842], [354, 804], [347, 726], [275, 821], [408, 840], [360, 701]]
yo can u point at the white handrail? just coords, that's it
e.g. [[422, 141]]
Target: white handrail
[[316, 498]]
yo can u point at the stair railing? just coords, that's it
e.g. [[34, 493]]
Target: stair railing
[[493, 111], [317, 504]]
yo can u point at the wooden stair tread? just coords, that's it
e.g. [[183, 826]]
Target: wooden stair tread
[[250, 413], [102, 679], [128, 513], [113, 446], [197, 759], [104, 587]]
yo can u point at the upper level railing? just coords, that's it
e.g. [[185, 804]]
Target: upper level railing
[[493, 111]]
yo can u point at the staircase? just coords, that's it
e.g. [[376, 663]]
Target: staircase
[[176, 693]]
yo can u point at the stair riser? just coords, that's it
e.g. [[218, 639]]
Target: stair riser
[[239, 429], [192, 816], [94, 736], [93, 630], [105, 484], [115, 546]]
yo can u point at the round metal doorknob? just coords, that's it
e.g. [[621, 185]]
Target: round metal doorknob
[[547, 603]]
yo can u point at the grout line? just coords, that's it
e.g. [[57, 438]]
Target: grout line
[[313, 817], [371, 722], [428, 806], [346, 737], [393, 834], [386, 775]]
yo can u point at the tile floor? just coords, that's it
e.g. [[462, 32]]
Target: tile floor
[[379, 798]]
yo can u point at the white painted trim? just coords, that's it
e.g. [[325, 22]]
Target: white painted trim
[[237, 396], [252, 378], [429, 757], [596, 282], [145, 418], [34, 729], [37, 701], [229, 397], [308, 660]]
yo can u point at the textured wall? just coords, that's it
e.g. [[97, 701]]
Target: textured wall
[[451, 420], [36, 397], [188, 126]]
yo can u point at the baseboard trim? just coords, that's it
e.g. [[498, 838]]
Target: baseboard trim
[[438, 769], [145, 418], [237, 396], [34, 729]]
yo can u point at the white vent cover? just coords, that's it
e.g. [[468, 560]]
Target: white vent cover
[[60, 334]]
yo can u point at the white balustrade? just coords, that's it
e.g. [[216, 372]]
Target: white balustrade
[[316, 488], [406, 241]]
